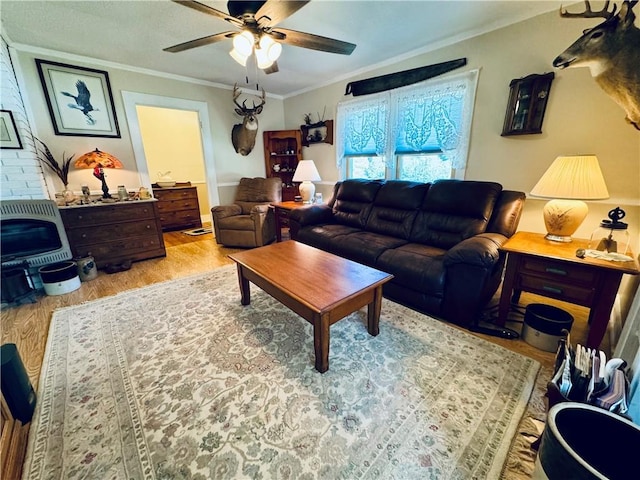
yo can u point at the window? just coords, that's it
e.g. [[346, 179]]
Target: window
[[420, 132]]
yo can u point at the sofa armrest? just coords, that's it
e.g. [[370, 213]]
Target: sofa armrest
[[473, 273], [223, 211], [311, 215], [480, 250]]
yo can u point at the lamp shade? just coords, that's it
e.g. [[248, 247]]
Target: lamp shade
[[568, 181], [97, 158], [306, 170], [572, 177], [99, 161]]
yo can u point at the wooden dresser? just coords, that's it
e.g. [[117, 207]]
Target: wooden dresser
[[178, 206], [114, 232]]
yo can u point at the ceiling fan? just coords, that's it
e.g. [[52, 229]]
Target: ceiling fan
[[258, 32]]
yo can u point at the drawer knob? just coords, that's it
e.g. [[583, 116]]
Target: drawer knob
[[556, 271], [84, 235], [556, 290]]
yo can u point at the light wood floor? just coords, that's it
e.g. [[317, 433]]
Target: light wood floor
[[27, 325]]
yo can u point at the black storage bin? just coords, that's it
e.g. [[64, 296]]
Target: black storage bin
[[544, 325], [16, 386]]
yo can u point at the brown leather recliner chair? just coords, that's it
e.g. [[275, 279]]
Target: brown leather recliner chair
[[249, 222]]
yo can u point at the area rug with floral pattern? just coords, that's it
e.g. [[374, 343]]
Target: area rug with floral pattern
[[179, 381]]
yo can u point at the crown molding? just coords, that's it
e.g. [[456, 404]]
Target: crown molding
[[21, 47]]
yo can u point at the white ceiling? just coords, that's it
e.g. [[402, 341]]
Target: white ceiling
[[134, 33]]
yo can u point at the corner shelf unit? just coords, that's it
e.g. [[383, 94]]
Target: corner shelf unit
[[282, 152]]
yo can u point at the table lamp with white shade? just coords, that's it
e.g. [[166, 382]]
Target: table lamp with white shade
[[568, 181], [306, 172]]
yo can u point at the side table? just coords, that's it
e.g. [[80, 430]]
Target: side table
[[551, 269], [282, 210]]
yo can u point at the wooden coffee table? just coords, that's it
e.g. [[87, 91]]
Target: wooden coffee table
[[320, 287]]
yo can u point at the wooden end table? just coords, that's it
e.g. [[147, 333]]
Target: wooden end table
[[282, 210], [551, 269], [325, 289]]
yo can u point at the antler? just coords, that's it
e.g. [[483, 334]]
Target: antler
[[236, 94], [262, 101], [243, 107], [588, 13]]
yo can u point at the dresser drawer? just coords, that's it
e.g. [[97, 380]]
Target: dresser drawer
[[180, 219], [118, 250], [175, 205], [561, 290], [175, 194], [85, 216], [563, 271], [89, 235]]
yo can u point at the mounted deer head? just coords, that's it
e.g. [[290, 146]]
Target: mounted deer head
[[243, 134], [611, 50]]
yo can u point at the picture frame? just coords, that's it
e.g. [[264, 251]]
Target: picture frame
[[9, 136], [79, 99]]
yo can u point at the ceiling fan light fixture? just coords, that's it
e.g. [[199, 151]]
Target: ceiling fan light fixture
[[262, 58], [272, 48], [243, 43], [241, 59]]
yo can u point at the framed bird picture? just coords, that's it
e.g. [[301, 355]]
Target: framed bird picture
[[79, 100]]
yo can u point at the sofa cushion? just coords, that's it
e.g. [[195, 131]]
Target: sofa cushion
[[325, 237], [416, 266], [364, 247], [353, 201], [395, 208], [454, 210]]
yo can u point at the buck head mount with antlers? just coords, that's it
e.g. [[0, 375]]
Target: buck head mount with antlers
[[243, 135], [611, 50]]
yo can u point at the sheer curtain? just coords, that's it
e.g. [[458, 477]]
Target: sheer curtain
[[435, 116], [431, 116], [362, 127]]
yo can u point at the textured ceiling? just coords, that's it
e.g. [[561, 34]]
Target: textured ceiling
[[135, 32]]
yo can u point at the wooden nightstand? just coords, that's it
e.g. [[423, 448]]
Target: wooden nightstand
[[281, 211], [551, 269]]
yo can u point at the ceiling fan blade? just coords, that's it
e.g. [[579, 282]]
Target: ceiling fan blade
[[275, 11], [314, 42], [199, 42], [201, 7], [272, 69]]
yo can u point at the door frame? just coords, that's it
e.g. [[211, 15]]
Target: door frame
[[133, 99]]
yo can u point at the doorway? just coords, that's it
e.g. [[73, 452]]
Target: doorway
[[152, 119]]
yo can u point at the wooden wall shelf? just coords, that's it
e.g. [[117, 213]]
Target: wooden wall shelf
[[321, 132]]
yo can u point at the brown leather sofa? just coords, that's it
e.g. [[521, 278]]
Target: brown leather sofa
[[249, 222], [439, 240]]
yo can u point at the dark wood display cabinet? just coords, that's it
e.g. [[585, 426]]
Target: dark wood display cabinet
[[178, 206], [113, 233], [528, 98], [282, 152]]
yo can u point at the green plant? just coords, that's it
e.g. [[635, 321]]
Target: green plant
[[45, 156]]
